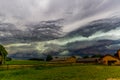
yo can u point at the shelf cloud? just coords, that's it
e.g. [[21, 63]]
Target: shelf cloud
[[60, 23]]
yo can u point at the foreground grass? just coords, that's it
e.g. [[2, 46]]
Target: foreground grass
[[73, 72], [24, 62]]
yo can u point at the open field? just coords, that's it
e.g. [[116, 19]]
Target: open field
[[22, 62], [65, 72]]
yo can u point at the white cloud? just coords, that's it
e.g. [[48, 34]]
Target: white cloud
[[111, 35], [18, 45], [76, 14], [79, 24]]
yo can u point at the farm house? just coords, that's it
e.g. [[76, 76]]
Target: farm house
[[109, 59], [88, 60], [66, 59]]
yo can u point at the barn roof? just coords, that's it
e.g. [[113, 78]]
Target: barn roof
[[109, 55], [88, 59]]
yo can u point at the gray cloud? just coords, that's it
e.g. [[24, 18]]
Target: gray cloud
[[103, 25], [46, 30], [20, 12], [58, 21]]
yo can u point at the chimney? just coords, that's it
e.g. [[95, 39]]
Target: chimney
[[118, 53]]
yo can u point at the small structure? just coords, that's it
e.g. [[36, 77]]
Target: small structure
[[64, 59], [88, 60], [3, 54], [71, 59], [111, 60]]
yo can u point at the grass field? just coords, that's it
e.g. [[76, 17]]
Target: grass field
[[69, 72], [22, 62]]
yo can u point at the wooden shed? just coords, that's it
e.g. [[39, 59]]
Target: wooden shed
[[109, 60], [64, 59], [71, 59], [88, 60]]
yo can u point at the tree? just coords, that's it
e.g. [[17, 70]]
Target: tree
[[8, 59], [49, 58], [96, 56], [3, 53], [86, 56]]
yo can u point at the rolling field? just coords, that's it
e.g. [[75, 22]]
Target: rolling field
[[22, 62], [65, 72]]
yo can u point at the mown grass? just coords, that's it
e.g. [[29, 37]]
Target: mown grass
[[24, 62], [69, 72]]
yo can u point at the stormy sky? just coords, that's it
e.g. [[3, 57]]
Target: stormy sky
[[60, 26]]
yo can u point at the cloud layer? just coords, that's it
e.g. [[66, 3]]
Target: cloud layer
[[48, 26]]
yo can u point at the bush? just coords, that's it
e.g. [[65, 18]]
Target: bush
[[36, 59], [86, 57], [8, 59], [49, 58]]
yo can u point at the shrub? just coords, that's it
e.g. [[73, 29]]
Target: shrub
[[36, 59], [8, 59], [49, 58]]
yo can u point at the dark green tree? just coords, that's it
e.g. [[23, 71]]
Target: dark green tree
[[49, 58], [86, 56], [96, 56], [3, 54], [8, 59]]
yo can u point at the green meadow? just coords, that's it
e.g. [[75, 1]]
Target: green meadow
[[45, 71], [24, 62]]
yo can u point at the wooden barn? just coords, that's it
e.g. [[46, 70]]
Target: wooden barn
[[64, 59], [3, 54], [71, 59], [87, 60], [111, 60]]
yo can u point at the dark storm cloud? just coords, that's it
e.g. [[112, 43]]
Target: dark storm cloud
[[103, 25], [71, 21], [88, 11], [19, 13], [45, 30], [98, 47]]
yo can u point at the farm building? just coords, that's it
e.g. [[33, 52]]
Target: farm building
[[3, 54], [88, 60], [71, 59], [66, 59], [109, 59]]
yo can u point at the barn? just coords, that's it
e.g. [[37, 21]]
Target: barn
[[88, 60], [64, 59], [71, 59], [110, 59]]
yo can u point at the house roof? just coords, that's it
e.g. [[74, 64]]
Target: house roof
[[61, 58], [88, 59], [109, 55]]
